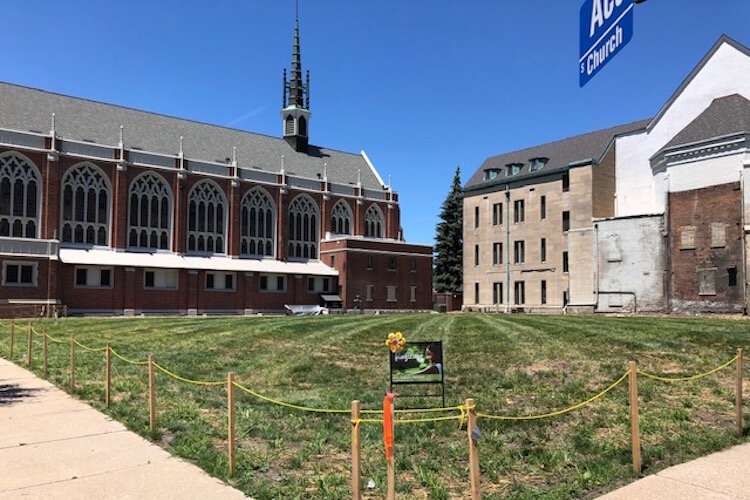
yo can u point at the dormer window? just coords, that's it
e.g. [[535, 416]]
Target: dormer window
[[537, 163], [514, 168], [491, 173]]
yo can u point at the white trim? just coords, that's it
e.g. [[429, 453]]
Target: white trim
[[102, 257], [381, 252], [372, 167]]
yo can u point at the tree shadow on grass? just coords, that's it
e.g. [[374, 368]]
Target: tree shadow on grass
[[14, 393]]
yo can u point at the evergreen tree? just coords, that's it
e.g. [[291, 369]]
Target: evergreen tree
[[449, 241]]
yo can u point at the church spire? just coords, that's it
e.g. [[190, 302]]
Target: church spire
[[296, 96]]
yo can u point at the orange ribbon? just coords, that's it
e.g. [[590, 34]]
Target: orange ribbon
[[388, 425]]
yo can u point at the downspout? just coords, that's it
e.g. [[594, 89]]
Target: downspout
[[507, 248]]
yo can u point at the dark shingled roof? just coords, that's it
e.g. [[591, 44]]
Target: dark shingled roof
[[560, 153], [725, 116], [24, 108]]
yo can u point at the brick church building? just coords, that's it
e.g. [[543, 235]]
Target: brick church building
[[111, 210]]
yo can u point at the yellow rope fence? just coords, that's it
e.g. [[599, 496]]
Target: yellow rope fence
[[465, 411], [690, 378]]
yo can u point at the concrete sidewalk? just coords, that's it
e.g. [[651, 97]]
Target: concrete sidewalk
[[722, 475], [54, 446]]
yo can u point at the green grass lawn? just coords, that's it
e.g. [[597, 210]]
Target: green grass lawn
[[510, 364]]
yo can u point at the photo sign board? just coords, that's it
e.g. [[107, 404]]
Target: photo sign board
[[419, 363], [606, 27]]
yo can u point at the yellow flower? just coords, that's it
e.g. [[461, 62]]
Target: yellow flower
[[395, 341]]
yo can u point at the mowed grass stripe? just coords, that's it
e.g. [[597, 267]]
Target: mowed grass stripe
[[511, 364]]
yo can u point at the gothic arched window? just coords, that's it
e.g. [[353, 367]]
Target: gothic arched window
[[374, 222], [257, 224], [206, 218], [303, 228], [341, 218], [19, 196], [85, 205], [150, 214], [302, 125]]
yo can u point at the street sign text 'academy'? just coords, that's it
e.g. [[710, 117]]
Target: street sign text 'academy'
[[606, 27]]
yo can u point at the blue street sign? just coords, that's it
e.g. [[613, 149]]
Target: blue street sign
[[606, 27]]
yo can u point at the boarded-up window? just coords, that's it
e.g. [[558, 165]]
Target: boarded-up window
[[718, 235], [613, 249], [687, 237], [707, 282]]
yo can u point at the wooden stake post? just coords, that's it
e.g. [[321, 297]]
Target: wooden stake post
[[28, 346], [72, 363], [108, 375], [12, 337], [230, 421], [476, 492], [151, 395], [391, 491], [356, 452], [635, 436], [44, 351], [738, 396]]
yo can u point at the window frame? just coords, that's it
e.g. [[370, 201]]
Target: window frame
[[207, 191], [99, 270], [519, 211], [219, 277], [25, 171], [253, 202], [21, 264], [103, 183], [166, 272], [160, 189]]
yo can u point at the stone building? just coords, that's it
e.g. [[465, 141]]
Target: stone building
[[657, 222], [528, 223], [107, 209]]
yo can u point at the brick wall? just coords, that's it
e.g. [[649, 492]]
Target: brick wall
[[128, 293], [351, 258], [695, 255]]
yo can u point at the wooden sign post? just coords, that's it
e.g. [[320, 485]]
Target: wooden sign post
[[72, 363], [388, 428], [12, 337], [108, 375], [356, 452], [738, 395], [476, 492], [28, 346], [44, 351], [635, 436], [230, 421], [151, 395]]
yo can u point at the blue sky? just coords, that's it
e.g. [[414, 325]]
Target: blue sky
[[420, 85]]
